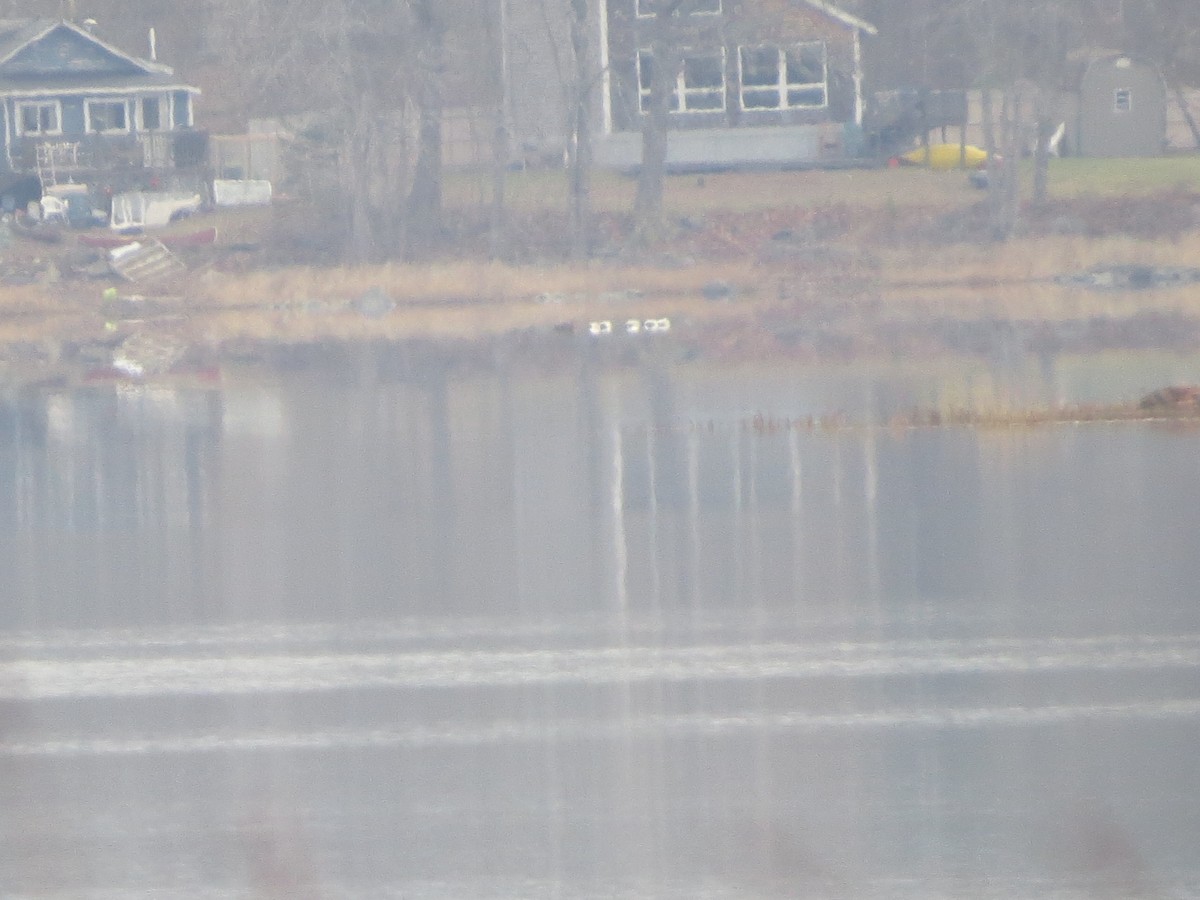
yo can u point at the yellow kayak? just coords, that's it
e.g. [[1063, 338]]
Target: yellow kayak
[[946, 156]]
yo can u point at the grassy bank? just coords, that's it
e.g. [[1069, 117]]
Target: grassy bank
[[755, 263]]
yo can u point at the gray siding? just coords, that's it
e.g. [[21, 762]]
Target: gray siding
[[72, 116], [538, 67], [741, 23], [1122, 109]]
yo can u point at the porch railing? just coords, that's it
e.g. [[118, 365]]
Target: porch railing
[[55, 161]]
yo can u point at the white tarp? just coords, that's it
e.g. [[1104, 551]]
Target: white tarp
[[227, 192], [151, 209]]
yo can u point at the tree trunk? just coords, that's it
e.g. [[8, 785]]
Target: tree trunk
[[988, 114], [499, 214], [579, 158], [425, 199], [1041, 151], [359, 149], [656, 123], [1003, 188]]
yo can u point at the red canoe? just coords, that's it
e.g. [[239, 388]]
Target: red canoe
[[197, 238]]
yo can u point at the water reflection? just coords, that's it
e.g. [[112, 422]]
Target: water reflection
[[386, 629]]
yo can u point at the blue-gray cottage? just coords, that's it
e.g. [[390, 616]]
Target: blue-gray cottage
[[75, 107]]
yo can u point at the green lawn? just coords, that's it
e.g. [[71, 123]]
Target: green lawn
[[1074, 176], [875, 187]]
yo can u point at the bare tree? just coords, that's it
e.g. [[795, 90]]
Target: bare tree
[[425, 198], [568, 28], [368, 76], [354, 108], [665, 61], [579, 143], [1016, 51]]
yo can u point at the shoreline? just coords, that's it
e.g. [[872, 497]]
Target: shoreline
[[829, 281], [949, 390]]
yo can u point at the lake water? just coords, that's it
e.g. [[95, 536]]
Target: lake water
[[364, 627]]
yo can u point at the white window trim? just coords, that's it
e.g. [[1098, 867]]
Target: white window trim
[[164, 112], [87, 115], [681, 90], [1117, 107], [175, 122], [782, 86], [22, 105], [701, 12]]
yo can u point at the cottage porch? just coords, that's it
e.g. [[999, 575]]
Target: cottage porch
[[55, 161]]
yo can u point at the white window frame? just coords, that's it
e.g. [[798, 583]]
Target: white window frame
[[174, 107], [164, 112], [1122, 101], [87, 115], [782, 87], [22, 105], [643, 9], [681, 91]]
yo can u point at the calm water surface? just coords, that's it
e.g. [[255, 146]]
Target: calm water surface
[[376, 630]]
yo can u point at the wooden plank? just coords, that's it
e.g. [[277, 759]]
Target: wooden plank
[[146, 260]]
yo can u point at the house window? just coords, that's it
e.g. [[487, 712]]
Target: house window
[[699, 84], [106, 116], [645, 8], [181, 110], [43, 117], [151, 113], [793, 77], [1122, 100]]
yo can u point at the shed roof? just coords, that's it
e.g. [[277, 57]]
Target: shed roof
[[1081, 61]]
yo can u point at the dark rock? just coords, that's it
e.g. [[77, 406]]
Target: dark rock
[[717, 290], [1139, 277]]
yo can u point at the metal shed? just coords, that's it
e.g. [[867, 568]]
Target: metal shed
[[1122, 108]]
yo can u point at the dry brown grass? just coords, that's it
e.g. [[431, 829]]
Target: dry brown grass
[[1015, 280], [1039, 302], [453, 282], [844, 210], [22, 301], [468, 301], [1035, 257], [452, 324], [458, 321]]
